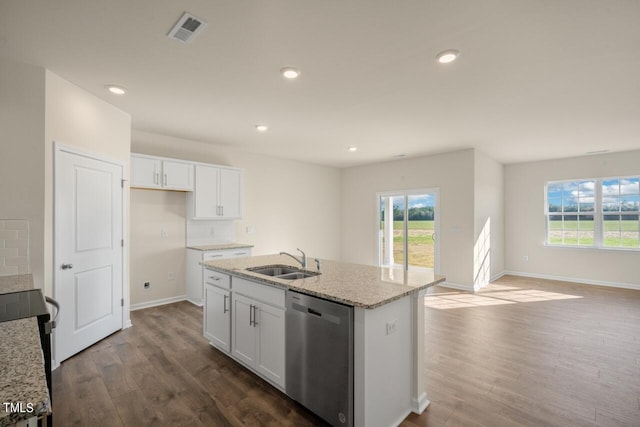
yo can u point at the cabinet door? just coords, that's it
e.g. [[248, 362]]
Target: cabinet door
[[177, 176], [205, 194], [217, 317], [145, 172], [243, 341], [230, 193], [270, 343]]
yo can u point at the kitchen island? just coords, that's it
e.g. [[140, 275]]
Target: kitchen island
[[23, 385], [388, 326]]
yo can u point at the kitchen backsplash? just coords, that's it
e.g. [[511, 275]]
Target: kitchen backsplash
[[14, 246], [201, 232]]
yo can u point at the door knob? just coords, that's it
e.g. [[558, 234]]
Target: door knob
[[67, 266]]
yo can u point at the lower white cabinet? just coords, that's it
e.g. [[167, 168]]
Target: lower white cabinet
[[258, 337], [196, 273], [246, 320], [217, 317]]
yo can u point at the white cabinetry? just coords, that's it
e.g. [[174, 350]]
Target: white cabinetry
[[160, 173], [217, 313], [197, 274], [218, 193], [258, 328]]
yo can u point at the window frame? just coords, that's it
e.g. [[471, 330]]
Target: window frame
[[598, 214]]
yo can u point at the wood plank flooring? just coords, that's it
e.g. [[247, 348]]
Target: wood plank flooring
[[520, 352]]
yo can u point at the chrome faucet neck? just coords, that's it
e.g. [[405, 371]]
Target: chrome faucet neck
[[302, 260]]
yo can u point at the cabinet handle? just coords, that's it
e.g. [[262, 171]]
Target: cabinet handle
[[221, 210], [165, 179], [156, 178], [224, 304], [250, 314], [214, 277], [255, 307]]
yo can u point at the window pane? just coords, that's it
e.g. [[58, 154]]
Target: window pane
[[398, 230], [587, 207], [629, 231], [610, 204], [629, 186], [610, 187], [586, 231], [611, 227], [629, 203], [555, 204], [586, 191], [420, 238], [570, 237]]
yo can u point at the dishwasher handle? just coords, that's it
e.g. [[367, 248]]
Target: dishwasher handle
[[308, 311], [52, 324]]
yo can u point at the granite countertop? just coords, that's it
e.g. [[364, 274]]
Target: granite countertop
[[22, 377], [220, 247], [357, 285], [19, 282]]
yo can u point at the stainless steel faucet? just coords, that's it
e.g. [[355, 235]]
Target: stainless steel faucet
[[302, 260]]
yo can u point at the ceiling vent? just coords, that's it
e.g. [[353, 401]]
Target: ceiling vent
[[186, 29]]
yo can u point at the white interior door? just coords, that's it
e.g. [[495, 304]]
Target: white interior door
[[88, 250]]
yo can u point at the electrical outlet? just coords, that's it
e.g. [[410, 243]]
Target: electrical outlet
[[164, 233], [171, 275], [391, 326], [147, 285], [525, 258], [250, 230]]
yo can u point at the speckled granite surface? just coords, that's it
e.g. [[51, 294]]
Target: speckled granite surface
[[220, 247], [352, 284], [20, 282], [22, 378]]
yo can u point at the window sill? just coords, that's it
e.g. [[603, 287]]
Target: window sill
[[596, 248]]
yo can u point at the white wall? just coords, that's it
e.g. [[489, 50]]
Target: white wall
[[153, 256], [525, 223], [452, 173], [289, 204], [22, 98], [489, 219], [76, 118]]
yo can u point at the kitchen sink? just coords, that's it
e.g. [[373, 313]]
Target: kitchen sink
[[283, 272]]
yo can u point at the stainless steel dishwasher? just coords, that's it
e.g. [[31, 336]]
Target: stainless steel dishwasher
[[319, 364]]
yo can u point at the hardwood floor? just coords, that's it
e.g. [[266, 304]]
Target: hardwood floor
[[520, 352]]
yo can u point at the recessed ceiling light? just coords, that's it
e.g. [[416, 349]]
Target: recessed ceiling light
[[116, 90], [290, 73], [447, 56], [352, 149], [262, 128]]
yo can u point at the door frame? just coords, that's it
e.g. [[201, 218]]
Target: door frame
[[436, 223], [58, 149]]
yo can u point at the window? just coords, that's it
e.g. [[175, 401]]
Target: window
[[407, 227], [601, 213]]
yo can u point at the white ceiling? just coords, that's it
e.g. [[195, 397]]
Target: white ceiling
[[535, 80]]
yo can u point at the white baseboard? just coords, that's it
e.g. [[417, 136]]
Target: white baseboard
[[470, 288], [446, 284], [635, 286], [420, 404], [157, 302], [196, 303]]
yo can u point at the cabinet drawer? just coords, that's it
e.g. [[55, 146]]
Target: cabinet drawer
[[215, 278], [208, 256], [263, 293], [237, 253]]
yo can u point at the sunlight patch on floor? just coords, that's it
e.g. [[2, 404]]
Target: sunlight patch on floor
[[495, 295]]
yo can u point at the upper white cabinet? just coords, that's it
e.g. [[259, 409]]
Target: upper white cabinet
[[217, 193], [161, 173]]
